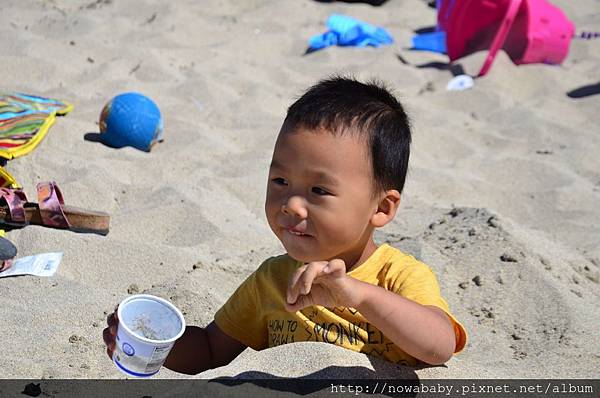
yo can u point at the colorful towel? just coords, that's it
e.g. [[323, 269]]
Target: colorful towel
[[25, 120]]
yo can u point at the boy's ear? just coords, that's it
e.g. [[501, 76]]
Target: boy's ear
[[386, 209]]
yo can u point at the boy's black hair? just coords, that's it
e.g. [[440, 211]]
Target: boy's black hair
[[343, 104]]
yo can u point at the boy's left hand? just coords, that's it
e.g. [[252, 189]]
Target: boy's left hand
[[322, 283]]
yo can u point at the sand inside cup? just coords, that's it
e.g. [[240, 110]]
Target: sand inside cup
[[141, 325], [148, 318]]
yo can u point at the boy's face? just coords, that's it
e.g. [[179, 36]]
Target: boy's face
[[319, 196]]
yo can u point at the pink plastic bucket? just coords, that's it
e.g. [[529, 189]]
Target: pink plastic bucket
[[548, 34], [530, 31]]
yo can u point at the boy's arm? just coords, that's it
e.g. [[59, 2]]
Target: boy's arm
[[202, 349], [424, 332]]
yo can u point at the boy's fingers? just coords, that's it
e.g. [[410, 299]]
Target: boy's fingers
[[302, 280], [109, 333], [292, 291], [109, 338], [302, 302], [297, 275], [336, 266], [306, 280], [112, 318]]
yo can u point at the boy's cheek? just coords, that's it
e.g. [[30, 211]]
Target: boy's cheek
[[270, 209], [272, 203], [271, 213]]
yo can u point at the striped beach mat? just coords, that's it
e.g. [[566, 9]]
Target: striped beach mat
[[25, 120]]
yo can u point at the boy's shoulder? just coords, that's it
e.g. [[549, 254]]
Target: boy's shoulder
[[395, 257], [392, 265], [397, 271]]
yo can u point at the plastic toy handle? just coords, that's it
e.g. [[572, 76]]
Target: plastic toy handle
[[500, 37]]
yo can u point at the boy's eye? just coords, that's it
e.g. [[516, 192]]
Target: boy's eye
[[279, 181], [319, 191]]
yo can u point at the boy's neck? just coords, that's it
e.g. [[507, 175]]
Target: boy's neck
[[369, 249]]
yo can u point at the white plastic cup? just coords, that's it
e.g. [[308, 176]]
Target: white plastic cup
[[148, 328]]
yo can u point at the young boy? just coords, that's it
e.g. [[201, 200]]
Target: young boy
[[338, 169]]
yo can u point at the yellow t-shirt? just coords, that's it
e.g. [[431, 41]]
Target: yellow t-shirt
[[255, 314]]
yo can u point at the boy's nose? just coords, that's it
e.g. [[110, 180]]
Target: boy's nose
[[295, 206]]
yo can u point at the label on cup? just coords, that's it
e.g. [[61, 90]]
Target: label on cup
[[143, 362], [148, 328]]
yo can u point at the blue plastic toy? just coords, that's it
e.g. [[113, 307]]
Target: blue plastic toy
[[131, 119], [434, 41], [347, 31]]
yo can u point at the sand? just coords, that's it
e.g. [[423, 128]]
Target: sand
[[502, 197]]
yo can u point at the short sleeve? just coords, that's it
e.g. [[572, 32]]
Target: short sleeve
[[239, 317], [418, 283]]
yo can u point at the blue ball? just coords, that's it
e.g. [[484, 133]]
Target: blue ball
[[131, 119]]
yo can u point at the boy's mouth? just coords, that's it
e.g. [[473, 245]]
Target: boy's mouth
[[295, 232]]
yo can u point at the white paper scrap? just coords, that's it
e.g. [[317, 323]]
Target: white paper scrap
[[460, 83], [44, 264]]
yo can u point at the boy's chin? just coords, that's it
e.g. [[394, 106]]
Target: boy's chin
[[300, 255], [305, 251], [303, 256], [301, 259]]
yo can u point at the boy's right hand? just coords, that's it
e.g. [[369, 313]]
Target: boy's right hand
[[109, 334], [323, 283]]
